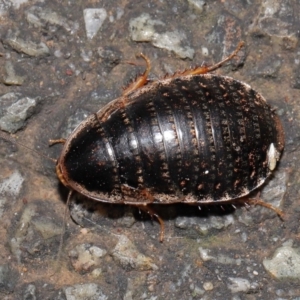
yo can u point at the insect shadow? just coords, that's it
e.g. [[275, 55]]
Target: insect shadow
[[98, 215]]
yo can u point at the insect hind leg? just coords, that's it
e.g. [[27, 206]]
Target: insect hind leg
[[150, 211], [207, 69]]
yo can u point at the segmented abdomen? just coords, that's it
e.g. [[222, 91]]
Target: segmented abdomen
[[192, 139]]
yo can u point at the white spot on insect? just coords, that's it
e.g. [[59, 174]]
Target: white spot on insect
[[133, 144], [206, 171], [169, 135], [273, 156], [110, 151], [157, 137]]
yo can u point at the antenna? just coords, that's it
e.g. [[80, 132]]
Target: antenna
[[9, 138]]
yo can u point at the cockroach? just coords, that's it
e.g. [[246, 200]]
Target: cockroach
[[192, 137]]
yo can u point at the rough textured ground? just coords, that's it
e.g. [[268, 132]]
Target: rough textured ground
[[62, 74]]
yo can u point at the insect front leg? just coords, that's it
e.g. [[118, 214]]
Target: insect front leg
[[140, 80]]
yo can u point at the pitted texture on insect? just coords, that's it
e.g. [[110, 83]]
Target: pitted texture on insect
[[189, 139]]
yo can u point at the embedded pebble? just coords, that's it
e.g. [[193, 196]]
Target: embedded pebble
[[142, 29], [12, 78], [42, 17], [226, 260], [220, 258], [173, 41], [15, 110], [93, 19], [197, 5], [204, 51], [27, 47], [204, 254], [12, 185], [127, 255], [86, 257], [204, 225], [96, 272], [208, 286], [87, 291], [285, 263], [238, 285]]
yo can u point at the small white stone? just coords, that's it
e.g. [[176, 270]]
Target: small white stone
[[84, 291], [239, 284], [204, 254], [13, 184], [197, 4], [142, 28], [93, 18], [172, 41], [205, 51], [270, 7], [129, 257], [285, 263], [208, 286]]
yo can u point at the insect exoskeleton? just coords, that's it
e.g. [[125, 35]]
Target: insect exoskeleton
[[193, 137]]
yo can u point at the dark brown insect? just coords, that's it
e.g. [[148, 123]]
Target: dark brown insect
[[192, 138]]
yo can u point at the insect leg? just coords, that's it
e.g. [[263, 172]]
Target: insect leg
[[144, 196], [205, 69], [61, 242], [258, 201], [150, 211], [53, 142], [267, 205], [140, 80]]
